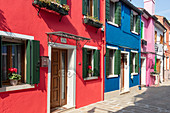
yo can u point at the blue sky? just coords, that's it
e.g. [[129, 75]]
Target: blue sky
[[162, 7]]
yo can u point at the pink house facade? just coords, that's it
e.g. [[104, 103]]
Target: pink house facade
[[148, 43]]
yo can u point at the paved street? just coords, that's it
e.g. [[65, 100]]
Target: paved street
[[147, 100]]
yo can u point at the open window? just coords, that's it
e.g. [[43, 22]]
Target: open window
[[135, 22], [91, 63], [113, 12], [21, 54], [113, 58], [134, 62]]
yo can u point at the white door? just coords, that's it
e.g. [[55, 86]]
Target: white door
[[143, 71]]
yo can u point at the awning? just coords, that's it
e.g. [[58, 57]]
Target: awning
[[67, 35]]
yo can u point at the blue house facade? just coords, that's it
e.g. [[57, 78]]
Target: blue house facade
[[123, 42]]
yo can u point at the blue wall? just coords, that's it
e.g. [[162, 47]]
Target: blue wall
[[122, 36]]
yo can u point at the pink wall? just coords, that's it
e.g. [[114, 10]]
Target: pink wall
[[21, 17], [150, 47]]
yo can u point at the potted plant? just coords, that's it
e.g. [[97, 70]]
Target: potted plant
[[13, 76], [90, 71], [89, 20]]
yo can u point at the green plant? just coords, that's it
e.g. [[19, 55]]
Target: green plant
[[95, 19], [12, 74], [90, 69], [66, 7]]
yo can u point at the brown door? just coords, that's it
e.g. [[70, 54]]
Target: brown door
[[158, 62], [122, 71], [58, 78]]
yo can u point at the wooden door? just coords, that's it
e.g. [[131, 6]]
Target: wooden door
[[58, 78], [158, 62], [122, 71]]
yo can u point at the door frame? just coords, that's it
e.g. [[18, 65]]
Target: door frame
[[73, 79], [126, 78], [145, 70]]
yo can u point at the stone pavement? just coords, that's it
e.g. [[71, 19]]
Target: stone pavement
[[148, 100]]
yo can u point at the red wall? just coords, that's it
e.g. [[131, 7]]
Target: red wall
[[20, 16]]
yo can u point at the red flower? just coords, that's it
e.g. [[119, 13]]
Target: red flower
[[15, 70], [89, 67]]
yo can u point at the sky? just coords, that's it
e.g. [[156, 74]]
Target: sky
[[162, 7]]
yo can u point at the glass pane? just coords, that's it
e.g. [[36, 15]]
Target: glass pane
[[63, 73], [4, 63]]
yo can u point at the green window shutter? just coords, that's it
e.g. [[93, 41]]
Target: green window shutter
[[63, 1], [84, 6], [96, 10], [33, 55], [118, 13], [0, 61], [117, 62], [107, 9], [142, 30], [137, 63], [84, 62], [28, 65], [155, 63], [97, 63], [131, 20], [131, 62], [107, 62], [138, 24]]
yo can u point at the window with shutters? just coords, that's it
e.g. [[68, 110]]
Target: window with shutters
[[135, 22], [161, 39], [142, 30], [115, 13], [22, 55], [112, 63], [91, 63], [134, 63], [155, 37]]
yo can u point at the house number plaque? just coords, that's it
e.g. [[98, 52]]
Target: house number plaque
[[63, 40]]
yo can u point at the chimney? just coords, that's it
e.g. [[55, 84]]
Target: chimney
[[149, 5]]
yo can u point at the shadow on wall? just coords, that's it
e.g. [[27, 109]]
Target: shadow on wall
[[153, 100], [3, 23]]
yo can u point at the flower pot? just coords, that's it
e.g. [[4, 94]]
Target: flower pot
[[13, 82], [90, 75], [91, 22]]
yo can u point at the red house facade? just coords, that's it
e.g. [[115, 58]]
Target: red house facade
[[68, 33]]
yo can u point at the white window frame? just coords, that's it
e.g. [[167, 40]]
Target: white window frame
[[114, 49], [134, 21], [92, 48], [134, 52], [16, 36]]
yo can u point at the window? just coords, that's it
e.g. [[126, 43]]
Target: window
[[91, 63], [168, 63], [91, 8], [161, 39], [20, 54], [164, 63], [113, 58], [135, 22], [155, 37], [134, 65]]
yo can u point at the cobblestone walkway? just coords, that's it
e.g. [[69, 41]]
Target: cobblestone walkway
[[147, 100]]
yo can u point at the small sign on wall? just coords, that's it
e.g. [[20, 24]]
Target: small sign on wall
[[63, 40]]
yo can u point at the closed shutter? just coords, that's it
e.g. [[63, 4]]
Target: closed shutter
[[131, 62], [84, 6], [155, 63], [96, 10], [137, 63], [138, 24], [118, 13], [33, 62], [107, 9], [0, 61], [142, 30], [97, 63], [84, 62], [117, 62], [63, 1], [131, 20], [107, 62]]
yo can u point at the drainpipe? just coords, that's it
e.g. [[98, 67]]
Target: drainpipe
[[163, 55]]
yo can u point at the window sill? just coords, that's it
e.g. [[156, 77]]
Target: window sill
[[134, 73], [135, 32], [17, 87], [112, 76], [90, 78], [111, 23]]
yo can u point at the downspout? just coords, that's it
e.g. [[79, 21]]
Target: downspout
[[163, 55]]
